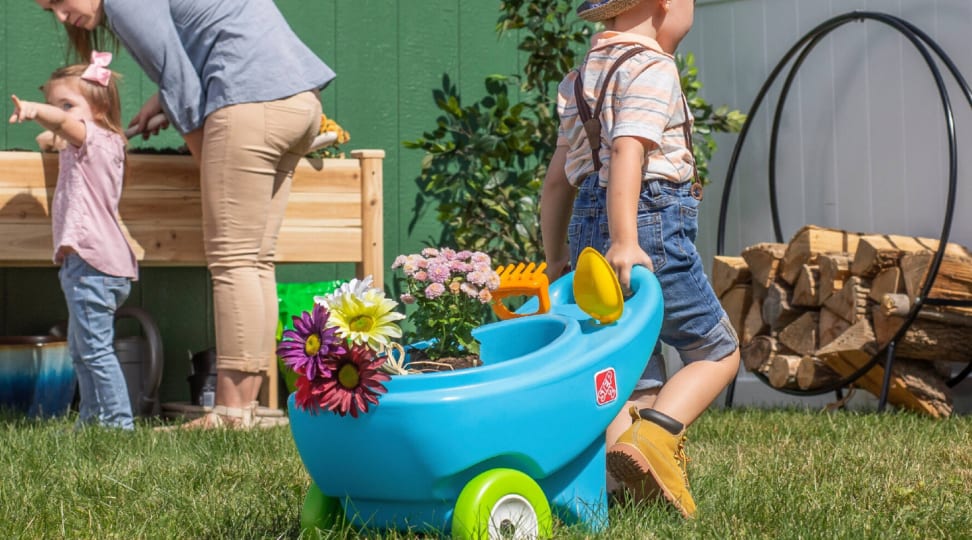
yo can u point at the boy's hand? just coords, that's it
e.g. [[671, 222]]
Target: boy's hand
[[23, 110], [622, 257], [556, 269]]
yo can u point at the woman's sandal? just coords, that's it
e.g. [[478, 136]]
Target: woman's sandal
[[221, 417]]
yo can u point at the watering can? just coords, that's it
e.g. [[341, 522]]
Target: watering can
[[140, 358], [141, 361]]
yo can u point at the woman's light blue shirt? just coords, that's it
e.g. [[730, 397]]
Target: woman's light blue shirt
[[207, 54]]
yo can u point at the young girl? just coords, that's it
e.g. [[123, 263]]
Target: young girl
[[83, 115]]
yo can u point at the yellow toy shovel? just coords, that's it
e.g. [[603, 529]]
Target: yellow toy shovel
[[596, 288]]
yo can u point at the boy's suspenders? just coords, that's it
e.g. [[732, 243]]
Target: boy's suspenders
[[592, 120]]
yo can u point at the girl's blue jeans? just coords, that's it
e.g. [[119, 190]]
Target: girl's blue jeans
[[695, 323], [92, 298]]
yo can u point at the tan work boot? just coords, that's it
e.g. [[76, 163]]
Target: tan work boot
[[650, 461]]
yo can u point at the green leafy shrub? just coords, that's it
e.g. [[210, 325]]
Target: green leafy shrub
[[484, 163]]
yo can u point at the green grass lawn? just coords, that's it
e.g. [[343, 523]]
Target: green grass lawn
[[755, 474]]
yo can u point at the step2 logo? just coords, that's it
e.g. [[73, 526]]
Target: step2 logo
[[606, 386]]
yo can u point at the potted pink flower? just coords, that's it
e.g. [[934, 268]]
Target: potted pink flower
[[451, 291]]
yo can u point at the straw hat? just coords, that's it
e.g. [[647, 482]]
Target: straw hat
[[600, 10]]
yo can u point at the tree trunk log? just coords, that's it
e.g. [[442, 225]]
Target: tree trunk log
[[834, 270], [925, 339], [900, 305], [736, 302], [782, 371], [855, 348], [805, 290], [800, 335], [850, 303], [831, 326], [756, 355], [777, 309], [876, 252], [763, 260], [953, 280], [753, 325], [813, 373], [728, 271], [809, 243]]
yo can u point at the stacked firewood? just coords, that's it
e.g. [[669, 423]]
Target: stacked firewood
[[817, 309]]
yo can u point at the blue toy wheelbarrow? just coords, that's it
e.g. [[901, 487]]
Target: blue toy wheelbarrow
[[494, 451]]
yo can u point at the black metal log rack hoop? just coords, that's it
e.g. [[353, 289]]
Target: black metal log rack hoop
[[922, 43]]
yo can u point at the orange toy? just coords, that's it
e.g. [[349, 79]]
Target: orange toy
[[521, 280]]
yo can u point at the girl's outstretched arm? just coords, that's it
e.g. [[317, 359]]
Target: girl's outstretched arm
[[50, 117]]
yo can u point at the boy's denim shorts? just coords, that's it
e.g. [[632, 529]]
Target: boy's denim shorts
[[695, 323]]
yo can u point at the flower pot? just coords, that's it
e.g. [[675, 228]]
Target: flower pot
[[36, 375]]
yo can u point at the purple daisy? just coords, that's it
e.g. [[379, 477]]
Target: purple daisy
[[305, 348]]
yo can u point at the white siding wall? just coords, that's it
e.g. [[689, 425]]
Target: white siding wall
[[862, 142]]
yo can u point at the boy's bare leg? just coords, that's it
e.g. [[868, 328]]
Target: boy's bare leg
[[690, 391]]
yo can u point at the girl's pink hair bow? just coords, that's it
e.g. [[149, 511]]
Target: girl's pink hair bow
[[97, 71]]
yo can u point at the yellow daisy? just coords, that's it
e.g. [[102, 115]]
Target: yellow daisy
[[366, 318]]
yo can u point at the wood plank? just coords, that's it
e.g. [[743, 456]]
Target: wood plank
[[334, 212]]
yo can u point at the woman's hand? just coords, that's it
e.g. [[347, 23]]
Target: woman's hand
[[145, 122], [49, 142]]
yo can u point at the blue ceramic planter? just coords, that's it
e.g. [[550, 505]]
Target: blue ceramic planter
[[36, 375]]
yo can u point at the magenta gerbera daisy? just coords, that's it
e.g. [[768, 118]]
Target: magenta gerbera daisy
[[354, 382], [304, 396], [306, 348]]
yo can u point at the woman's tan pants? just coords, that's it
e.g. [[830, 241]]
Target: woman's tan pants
[[249, 153]]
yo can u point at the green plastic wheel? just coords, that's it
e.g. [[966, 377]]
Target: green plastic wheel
[[502, 504], [320, 511]]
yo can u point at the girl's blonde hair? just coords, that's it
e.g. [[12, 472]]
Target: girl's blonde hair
[[104, 100]]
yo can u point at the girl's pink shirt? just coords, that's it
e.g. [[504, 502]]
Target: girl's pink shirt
[[85, 208]]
